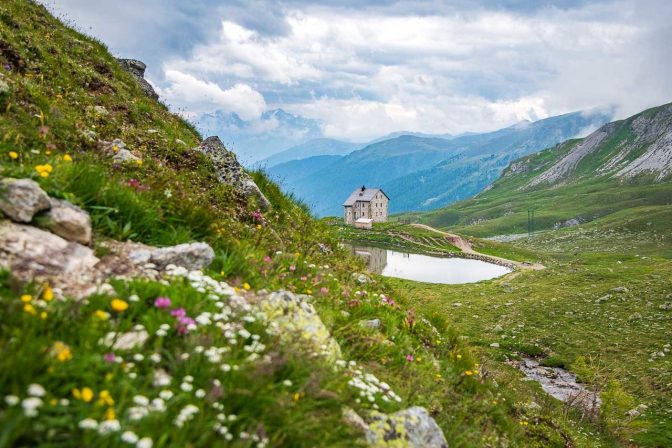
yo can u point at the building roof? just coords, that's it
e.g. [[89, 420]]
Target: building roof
[[362, 194], [364, 220]]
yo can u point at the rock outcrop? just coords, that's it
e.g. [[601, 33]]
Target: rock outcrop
[[68, 221], [411, 428], [137, 69], [230, 171], [21, 199], [59, 253]]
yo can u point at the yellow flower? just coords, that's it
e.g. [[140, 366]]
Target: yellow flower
[[258, 226], [110, 414], [30, 309], [468, 373], [87, 394], [104, 398], [67, 158], [309, 291], [77, 394], [119, 305], [115, 148], [246, 286], [43, 315], [13, 155], [26, 298], [44, 170], [47, 293], [61, 351], [139, 162], [459, 356], [297, 396], [102, 315]]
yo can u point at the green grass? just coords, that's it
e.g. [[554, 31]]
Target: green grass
[[397, 236]]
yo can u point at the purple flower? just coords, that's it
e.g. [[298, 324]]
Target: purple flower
[[292, 268], [185, 320], [109, 357], [178, 312], [324, 290], [409, 358], [162, 303], [268, 259]]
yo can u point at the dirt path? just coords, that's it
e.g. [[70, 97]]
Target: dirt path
[[465, 246]]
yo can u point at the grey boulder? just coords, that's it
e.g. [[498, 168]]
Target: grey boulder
[[68, 221], [412, 427], [21, 199], [191, 256]]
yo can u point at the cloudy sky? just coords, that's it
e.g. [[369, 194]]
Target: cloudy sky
[[370, 67]]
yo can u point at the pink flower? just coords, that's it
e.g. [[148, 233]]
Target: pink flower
[[303, 279], [324, 290], [268, 259], [185, 320], [178, 312], [409, 358], [162, 302], [292, 268], [109, 357]]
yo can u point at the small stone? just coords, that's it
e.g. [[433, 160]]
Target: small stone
[[192, 256], [635, 316], [124, 156], [498, 329], [372, 323], [457, 304], [68, 221], [21, 199], [620, 289], [666, 306], [412, 428], [494, 345]]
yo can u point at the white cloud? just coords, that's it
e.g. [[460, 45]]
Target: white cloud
[[204, 95]]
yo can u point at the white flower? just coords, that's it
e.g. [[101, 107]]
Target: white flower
[[166, 394], [141, 400], [186, 387], [189, 379], [30, 406], [200, 393], [225, 368], [64, 402], [133, 298], [138, 357], [36, 390], [109, 426], [88, 423], [161, 378], [155, 357], [158, 405], [145, 442], [11, 400], [287, 383], [129, 437], [244, 333]]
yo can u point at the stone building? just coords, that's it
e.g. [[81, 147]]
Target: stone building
[[365, 202]]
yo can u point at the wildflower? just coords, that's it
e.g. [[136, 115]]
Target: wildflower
[[30, 406], [109, 357], [26, 298], [292, 268], [166, 394], [246, 286], [115, 148], [297, 396], [30, 309], [200, 393], [67, 158], [13, 155], [88, 423], [109, 426], [409, 358], [145, 442], [287, 383], [468, 372], [186, 387], [162, 302], [102, 315], [61, 351], [86, 394], [268, 259], [44, 170], [110, 414], [324, 290], [104, 398], [43, 315], [258, 226], [178, 312], [129, 437], [119, 305], [36, 390], [139, 162], [11, 400], [167, 193]]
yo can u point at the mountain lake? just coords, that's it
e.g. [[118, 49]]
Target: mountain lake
[[425, 268]]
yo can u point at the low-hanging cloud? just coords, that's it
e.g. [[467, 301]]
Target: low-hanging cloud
[[368, 68]]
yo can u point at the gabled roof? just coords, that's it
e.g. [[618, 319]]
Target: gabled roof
[[362, 194]]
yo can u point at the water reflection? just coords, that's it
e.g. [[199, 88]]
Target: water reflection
[[424, 268]]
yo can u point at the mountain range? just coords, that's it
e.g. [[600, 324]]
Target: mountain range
[[623, 166], [426, 172]]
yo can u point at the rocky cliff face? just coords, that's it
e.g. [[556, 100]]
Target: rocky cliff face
[[638, 146], [137, 69]]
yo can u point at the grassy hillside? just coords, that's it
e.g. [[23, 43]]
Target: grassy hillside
[[62, 92]]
